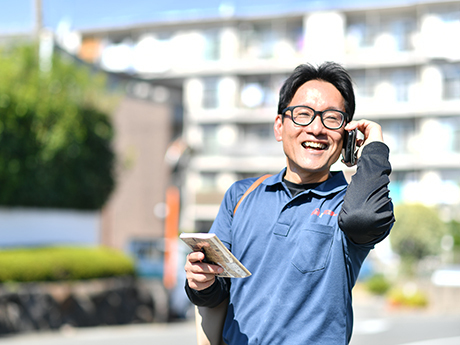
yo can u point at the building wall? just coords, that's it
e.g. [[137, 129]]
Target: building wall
[[403, 59], [135, 211], [23, 227]]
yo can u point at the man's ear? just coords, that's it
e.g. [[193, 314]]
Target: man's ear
[[278, 128]]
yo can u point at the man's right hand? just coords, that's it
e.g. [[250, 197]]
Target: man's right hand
[[200, 275]]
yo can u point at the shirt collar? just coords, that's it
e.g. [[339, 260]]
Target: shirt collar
[[333, 184]]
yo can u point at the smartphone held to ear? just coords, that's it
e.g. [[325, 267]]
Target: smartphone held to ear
[[349, 147]]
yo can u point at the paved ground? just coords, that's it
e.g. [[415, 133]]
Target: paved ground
[[375, 324], [182, 333], [400, 330]]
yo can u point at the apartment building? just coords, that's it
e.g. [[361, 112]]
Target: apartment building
[[405, 62]]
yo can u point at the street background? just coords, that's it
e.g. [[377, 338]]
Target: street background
[[375, 323], [199, 83]]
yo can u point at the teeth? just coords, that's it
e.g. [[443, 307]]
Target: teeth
[[313, 145]]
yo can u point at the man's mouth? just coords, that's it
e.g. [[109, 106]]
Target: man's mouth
[[314, 145]]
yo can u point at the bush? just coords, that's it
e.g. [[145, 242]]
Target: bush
[[62, 263], [378, 284], [412, 298]]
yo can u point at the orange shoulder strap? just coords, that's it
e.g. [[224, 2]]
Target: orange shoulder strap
[[250, 189]]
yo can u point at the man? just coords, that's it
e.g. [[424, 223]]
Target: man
[[303, 233]]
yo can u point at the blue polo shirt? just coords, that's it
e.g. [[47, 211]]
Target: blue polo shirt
[[304, 252], [303, 266]]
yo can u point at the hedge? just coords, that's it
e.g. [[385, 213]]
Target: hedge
[[63, 263]]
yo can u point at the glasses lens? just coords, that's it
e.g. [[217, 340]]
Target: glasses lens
[[332, 119], [302, 115]]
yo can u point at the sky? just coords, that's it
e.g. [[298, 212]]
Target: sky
[[18, 16]]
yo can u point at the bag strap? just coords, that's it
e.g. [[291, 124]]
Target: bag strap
[[250, 189]]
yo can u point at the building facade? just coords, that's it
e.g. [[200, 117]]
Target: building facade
[[404, 60]]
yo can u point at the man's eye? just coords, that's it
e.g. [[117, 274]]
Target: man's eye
[[303, 113], [332, 116]]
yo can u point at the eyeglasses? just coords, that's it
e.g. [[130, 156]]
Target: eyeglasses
[[302, 115]]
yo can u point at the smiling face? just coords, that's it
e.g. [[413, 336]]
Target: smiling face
[[311, 150]]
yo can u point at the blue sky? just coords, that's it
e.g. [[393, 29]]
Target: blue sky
[[18, 15]]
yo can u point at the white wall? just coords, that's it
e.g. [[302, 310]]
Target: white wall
[[39, 227]]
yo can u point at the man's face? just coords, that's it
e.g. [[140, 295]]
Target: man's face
[[311, 150]]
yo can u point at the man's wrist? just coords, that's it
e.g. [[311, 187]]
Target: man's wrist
[[378, 147], [207, 291]]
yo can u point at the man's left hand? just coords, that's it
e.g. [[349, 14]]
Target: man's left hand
[[372, 132]]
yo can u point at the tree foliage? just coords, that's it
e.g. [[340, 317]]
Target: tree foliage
[[55, 136], [454, 230], [417, 231]]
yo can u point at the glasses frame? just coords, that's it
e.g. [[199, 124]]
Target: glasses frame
[[315, 113]]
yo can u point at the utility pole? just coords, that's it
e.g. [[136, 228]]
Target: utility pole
[[38, 19], [44, 38]]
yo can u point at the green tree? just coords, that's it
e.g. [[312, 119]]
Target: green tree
[[55, 134], [416, 234], [454, 231]]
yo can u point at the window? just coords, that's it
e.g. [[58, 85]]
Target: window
[[402, 79], [451, 89], [401, 29], [451, 126], [210, 142], [398, 134], [210, 93], [258, 91], [260, 40], [451, 17], [212, 45], [258, 132], [148, 254], [362, 31], [365, 82], [208, 180]]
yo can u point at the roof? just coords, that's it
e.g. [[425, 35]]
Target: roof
[[98, 14]]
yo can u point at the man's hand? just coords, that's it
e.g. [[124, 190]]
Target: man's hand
[[200, 275], [371, 130]]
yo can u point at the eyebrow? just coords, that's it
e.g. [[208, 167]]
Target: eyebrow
[[330, 108]]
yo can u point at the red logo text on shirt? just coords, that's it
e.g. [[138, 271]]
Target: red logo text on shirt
[[317, 212]]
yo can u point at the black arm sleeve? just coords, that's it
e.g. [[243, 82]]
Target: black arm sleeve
[[212, 296], [367, 211]]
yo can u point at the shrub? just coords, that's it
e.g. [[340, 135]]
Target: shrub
[[378, 284], [62, 263], [407, 298]]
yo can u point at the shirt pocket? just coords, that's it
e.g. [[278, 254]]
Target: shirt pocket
[[312, 248]]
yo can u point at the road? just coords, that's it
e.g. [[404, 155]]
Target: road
[[153, 334], [374, 324], [405, 328]]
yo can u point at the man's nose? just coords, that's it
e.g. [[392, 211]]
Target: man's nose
[[316, 126]]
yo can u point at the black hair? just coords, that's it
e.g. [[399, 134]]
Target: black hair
[[330, 72]]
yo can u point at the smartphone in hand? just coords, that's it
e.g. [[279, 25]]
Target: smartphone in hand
[[349, 147]]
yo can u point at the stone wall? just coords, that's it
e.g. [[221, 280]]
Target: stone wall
[[47, 306]]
